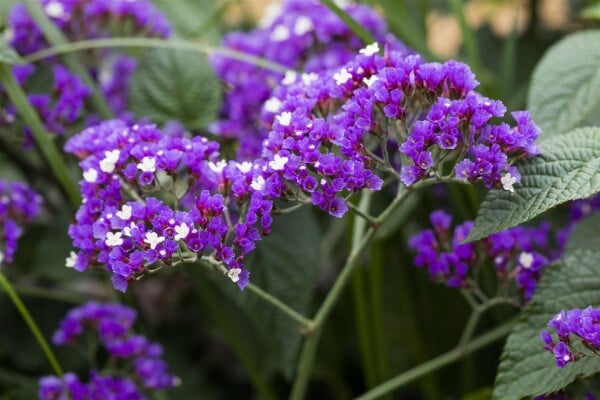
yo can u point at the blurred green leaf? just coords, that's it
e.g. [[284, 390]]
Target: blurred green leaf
[[591, 12], [526, 368], [285, 264], [585, 235], [175, 85], [565, 87], [567, 169], [193, 18]]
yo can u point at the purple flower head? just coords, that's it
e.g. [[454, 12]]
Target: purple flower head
[[19, 204], [123, 224], [112, 325], [519, 254], [302, 35]]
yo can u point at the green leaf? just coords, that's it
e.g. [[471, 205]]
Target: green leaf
[[284, 264], [8, 55], [568, 169], [175, 85], [191, 18], [564, 89], [585, 234], [526, 368]]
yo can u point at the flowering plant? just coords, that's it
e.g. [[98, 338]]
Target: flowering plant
[[244, 197]]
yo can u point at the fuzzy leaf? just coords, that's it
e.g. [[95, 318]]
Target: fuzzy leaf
[[568, 169], [527, 369], [175, 85], [564, 92]]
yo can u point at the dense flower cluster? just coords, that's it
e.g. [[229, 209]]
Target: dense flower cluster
[[19, 204], [518, 253], [300, 35], [64, 103], [392, 113], [85, 19], [112, 324], [569, 325], [151, 200]]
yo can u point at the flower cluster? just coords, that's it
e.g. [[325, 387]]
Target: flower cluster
[[85, 19], [300, 35], [395, 114], [19, 204], [63, 104], [112, 324], [518, 253], [583, 325], [152, 200]]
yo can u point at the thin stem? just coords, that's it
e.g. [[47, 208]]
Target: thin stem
[[443, 360], [363, 215], [354, 26], [306, 323], [43, 140], [56, 38], [155, 43], [35, 330], [469, 329], [47, 294], [281, 306]]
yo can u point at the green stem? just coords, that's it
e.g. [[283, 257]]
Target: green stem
[[281, 306], [35, 330], [354, 26], [47, 294], [376, 287], [154, 43], [55, 37], [43, 140], [443, 360]]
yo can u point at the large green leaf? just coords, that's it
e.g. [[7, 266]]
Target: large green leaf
[[565, 87], [175, 85], [585, 235], [568, 169], [527, 369], [285, 264]]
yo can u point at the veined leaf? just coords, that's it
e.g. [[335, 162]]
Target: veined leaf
[[526, 368], [175, 85], [567, 169], [564, 92]]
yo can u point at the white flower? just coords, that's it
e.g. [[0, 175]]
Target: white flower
[[91, 175], [285, 118], [234, 274], [278, 162], [371, 49], [508, 181], [148, 164], [307, 79], [127, 229], [71, 260], [342, 76], [289, 78], [182, 231], [245, 166], [258, 183], [371, 80], [125, 212], [109, 161], [526, 259], [280, 33], [153, 239], [55, 9], [217, 167], [113, 239], [303, 25], [272, 105]]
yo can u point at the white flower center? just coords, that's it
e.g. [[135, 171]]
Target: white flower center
[[113, 239], [342, 77], [153, 239], [526, 259], [71, 260], [182, 231], [371, 49], [508, 181], [234, 274], [148, 164], [125, 212], [91, 175], [278, 162]]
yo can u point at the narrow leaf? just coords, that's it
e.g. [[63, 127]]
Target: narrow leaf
[[564, 92], [8, 55], [175, 85], [568, 169]]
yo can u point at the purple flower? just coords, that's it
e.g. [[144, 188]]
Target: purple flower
[[19, 204]]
